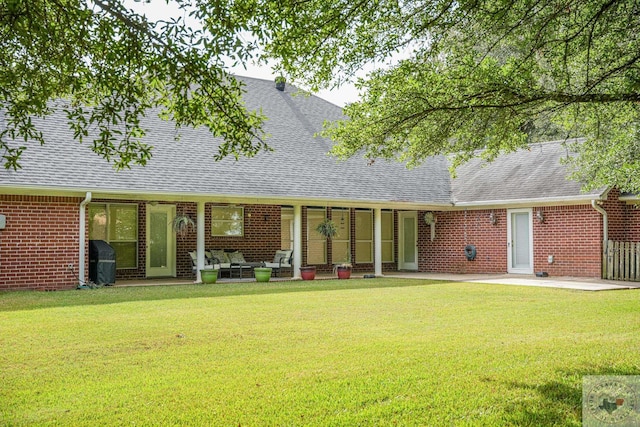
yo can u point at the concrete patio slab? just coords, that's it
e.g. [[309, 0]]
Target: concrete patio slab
[[577, 283]]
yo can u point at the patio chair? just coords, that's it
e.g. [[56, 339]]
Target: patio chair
[[209, 261], [221, 258], [282, 259]]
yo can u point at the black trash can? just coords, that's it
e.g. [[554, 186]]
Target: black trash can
[[102, 263]]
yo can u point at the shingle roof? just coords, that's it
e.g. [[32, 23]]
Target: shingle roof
[[535, 173], [298, 168]]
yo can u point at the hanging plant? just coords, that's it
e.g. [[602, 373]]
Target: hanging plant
[[183, 224], [327, 228]]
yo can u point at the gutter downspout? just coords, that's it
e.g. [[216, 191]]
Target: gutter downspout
[[82, 239], [605, 236], [605, 220]]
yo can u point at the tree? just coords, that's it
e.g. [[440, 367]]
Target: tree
[[106, 67], [488, 75]]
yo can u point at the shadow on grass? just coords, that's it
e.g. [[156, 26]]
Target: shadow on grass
[[559, 403], [31, 300]]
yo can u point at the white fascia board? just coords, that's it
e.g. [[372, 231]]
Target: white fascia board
[[218, 198], [543, 201]]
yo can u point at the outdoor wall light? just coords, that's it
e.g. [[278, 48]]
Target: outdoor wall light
[[492, 218], [540, 216]]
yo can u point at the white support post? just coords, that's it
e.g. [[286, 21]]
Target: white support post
[[377, 241], [199, 241], [297, 241]]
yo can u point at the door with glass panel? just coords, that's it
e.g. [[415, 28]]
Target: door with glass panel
[[519, 241], [408, 240], [161, 242]]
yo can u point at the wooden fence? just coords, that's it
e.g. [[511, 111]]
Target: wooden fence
[[621, 261]]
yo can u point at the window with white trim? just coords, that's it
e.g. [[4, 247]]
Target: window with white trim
[[387, 236], [316, 243], [364, 236], [227, 221], [116, 224], [341, 242], [286, 228]]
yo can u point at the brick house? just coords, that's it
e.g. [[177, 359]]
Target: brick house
[[518, 214]]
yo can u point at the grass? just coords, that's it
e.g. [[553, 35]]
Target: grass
[[338, 353]]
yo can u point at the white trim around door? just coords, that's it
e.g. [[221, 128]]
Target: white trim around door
[[408, 240], [161, 241], [520, 241]]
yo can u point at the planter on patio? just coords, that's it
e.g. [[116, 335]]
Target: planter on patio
[[343, 271], [209, 276], [263, 274], [308, 272]]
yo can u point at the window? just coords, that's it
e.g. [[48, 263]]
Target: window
[[227, 221], [387, 236], [116, 224], [341, 243], [286, 228], [316, 244], [364, 236]]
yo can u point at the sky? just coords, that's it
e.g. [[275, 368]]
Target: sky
[[159, 9]]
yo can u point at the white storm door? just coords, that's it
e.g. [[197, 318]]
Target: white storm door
[[408, 241], [520, 241], [161, 242]]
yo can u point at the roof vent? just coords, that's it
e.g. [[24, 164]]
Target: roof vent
[[280, 82]]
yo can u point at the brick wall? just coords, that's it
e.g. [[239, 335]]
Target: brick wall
[[41, 239], [624, 219], [260, 242], [455, 230], [39, 242], [572, 234]]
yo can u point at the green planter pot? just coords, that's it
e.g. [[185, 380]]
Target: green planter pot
[[263, 274], [209, 276]]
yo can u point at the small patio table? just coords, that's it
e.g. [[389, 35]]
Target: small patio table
[[244, 266]]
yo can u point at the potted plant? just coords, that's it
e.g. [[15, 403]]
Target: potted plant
[[208, 276], [280, 82], [308, 272], [343, 269], [327, 228], [263, 274], [182, 224]]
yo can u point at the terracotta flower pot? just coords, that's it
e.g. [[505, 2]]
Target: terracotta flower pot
[[343, 272], [308, 273]]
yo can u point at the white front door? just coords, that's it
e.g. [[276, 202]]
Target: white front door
[[161, 242], [408, 241], [519, 241]]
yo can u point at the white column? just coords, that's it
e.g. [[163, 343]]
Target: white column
[[82, 242], [199, 241], [297, 241], [377, 241]]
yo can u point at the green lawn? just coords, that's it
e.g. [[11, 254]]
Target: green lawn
[[358, 352]]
